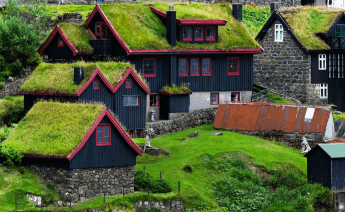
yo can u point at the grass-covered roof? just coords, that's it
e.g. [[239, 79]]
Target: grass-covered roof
[[52, 128], [141, 29], [50, 77], [306, 21]]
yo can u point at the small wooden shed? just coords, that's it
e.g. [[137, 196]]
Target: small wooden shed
[[326, 165]]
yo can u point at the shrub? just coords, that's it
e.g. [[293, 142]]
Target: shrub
[[160, 186], [21, 170], [187, 168], [35, 59], [11, 111], [245, 175], [2, 85], [6, 131], [155, 210], [9, 156], [320, 196], [9, 98], [143, 179]]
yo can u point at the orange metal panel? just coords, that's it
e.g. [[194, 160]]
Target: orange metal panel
[[219, 117]]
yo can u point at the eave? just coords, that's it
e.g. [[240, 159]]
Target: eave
[[197, 51]]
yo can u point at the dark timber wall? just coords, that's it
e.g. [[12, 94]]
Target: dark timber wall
[[319, 167], [92, 156], [318, 76], [179, 103], [55, 52], [336, 94], [338, 173], [133, 117]]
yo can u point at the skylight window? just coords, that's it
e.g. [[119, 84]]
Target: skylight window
[[309, 114]]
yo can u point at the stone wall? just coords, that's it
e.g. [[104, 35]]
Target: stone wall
[[82, 184], [175, 205], [283, 67], [282, 3]]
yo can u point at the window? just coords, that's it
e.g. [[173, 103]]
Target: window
[[134, 133], [154, 100], [103, 135], [206, 66], [138, 133], [233, 66], [187, 34], [336, 66], [198, 32], [95, 84], [323, 91], [235, 96], [309, 114], [183, 67], [278, 32], [130, 100], [149, 68], [128, 83], [322, 62], [60, 41], [214, 99], [339, 39], [194, 67], [210, 34], [101, 30]]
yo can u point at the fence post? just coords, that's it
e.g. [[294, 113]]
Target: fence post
[[178, 186], [16, 202], [104, 197], [70, 202], [160, 175], [148, 189], [123, 190]]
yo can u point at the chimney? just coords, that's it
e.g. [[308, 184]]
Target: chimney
[[274, 6], [171, 25], [237, 11], [78, 75]]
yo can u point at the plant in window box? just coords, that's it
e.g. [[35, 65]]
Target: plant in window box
[[169, 90]]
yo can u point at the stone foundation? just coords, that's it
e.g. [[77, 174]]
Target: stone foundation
[[175, 205], [80, 184]]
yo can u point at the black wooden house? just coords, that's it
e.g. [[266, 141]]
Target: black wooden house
[[208, 49], [326, 164]]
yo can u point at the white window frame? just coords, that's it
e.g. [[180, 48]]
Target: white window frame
[[322, 61], [324, 88], [278, 30]]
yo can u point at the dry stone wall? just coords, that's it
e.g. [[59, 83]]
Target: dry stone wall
[[174, 205], [80, 184]]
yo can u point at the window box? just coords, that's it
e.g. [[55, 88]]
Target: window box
[[235, 96], [210, 34], [130, 100], [128, 83], [214, 99], [149, 67], [101, 30], [233, 66], [206, 66], [194, 67], [172, 93], [154, 100], [183, 67], [60, 41], [187, 34], [95, 84], [278, 32], [103, 135], [198, 34]]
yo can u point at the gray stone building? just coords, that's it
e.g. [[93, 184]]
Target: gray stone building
[[303, 61]]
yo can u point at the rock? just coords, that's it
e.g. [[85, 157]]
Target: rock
[[82, 190], [216, 134], [153, 151], [35, 199], [194, 134], [164, 152], [74, 198], [90, 194], [183, 139], [82, 199], [69, 204]]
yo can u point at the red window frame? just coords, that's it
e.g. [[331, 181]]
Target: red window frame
[[130, 83], [60, 39], [217, 98], [214, 32], [183, 74], [130, 105], [191, 73], [154, 100], [202, 34], [238, 96], [202, 67], [187, 38], [100, 29], [238, 66], [60, 60], [154, 67], [103, 143], [95, 88]]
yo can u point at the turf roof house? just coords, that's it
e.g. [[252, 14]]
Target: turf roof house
[[304, 55], [117, 85], [204, 45], [80, 148]]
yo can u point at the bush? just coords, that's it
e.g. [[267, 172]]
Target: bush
[[245, 175], [319, 196], [11, 111], [2, 85], [187, 168], [21, 170], [6, 131], [34, 59], [143, 179], [9, 98], [9, 156]]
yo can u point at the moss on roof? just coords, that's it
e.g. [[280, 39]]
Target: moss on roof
[[78, 35], [50, 77], [305, 21], [52, 128], [141, 29]]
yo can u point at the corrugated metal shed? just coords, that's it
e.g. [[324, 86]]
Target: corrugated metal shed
[[334, 150], [253, 116]]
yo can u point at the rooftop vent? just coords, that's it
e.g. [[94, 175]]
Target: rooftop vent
[[171, 7], [78, 75], [171, 25], [309, 114]]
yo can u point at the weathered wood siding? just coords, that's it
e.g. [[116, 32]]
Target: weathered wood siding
[[318, 76], [319, 167], [179, 103], [55, 52], [92, 156], [338, 173], [336, 94]]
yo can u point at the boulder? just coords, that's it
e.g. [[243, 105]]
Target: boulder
[[183, 139], [90, 194], [153, 151], [216, 134], [194, 134], [164, 152]]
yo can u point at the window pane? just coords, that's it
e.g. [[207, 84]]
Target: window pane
[[99, 134], [233, 65], [99, 129], [61, 41], [234, 96], [106, 139], [325, 92], [321, 92], [187, 33], [99, 140], [97, 28], [194, 66], [128, 83], [95, 84], [183, 66], [149, 66], [198, 32], [106, 134], [281, 35], [130, 100], [210, 32], [104, 31], [106, 128], [205, 66]]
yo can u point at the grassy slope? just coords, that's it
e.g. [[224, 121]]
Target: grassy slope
[[12, 184], [278, 99], [196, 187]]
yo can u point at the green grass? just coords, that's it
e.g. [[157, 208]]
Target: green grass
[[255, 18], [51, 128], [12, 184], [84, 10], [278, 99], [175, 89], [306, 21], [336, 116], [197, 187], [8, 108], [14, 98]]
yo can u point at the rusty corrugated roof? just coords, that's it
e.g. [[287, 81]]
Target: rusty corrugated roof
[[252, 116], [337, 140]]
